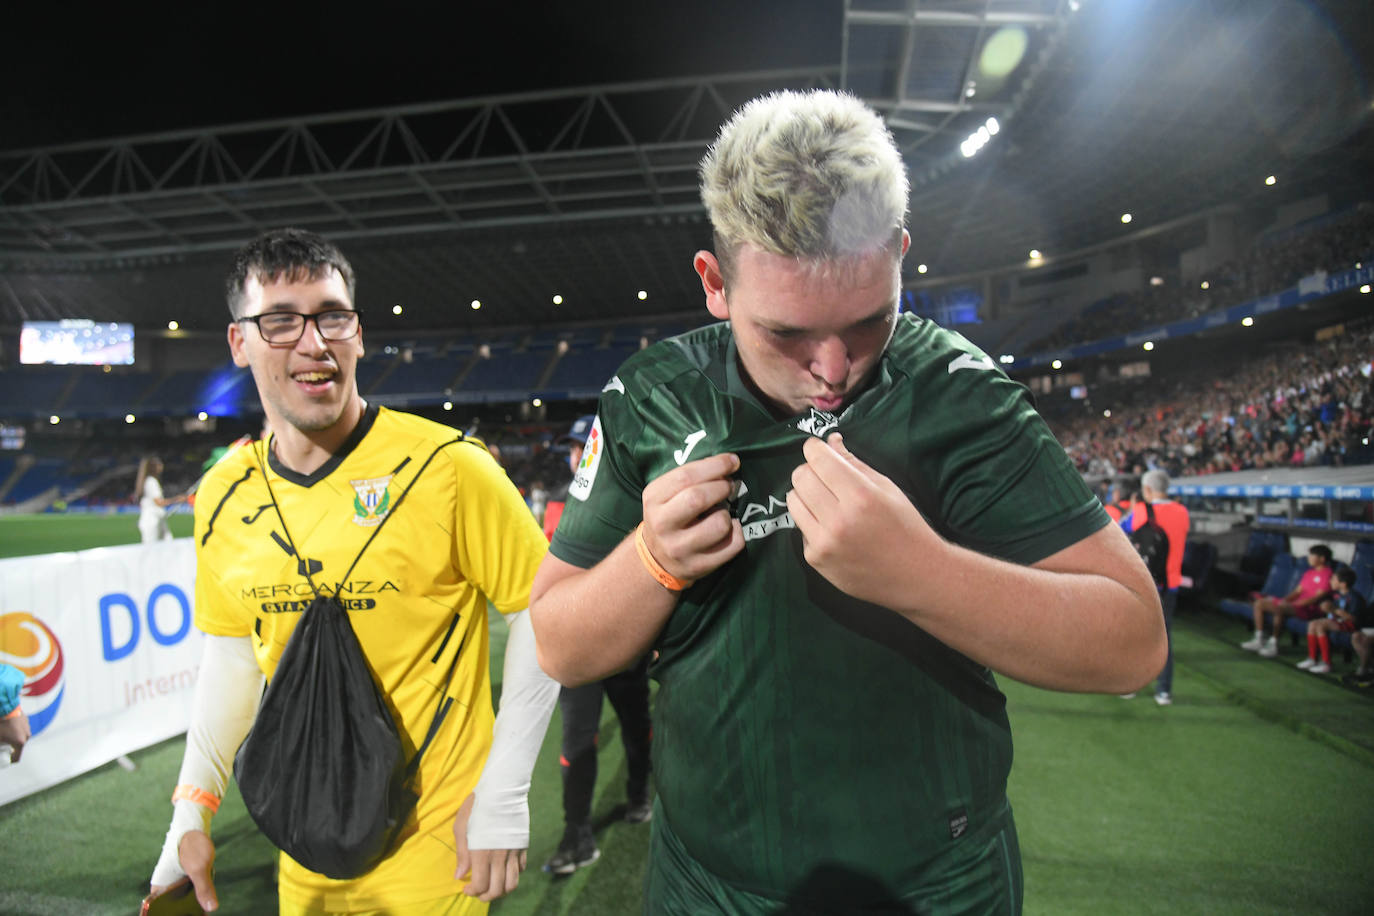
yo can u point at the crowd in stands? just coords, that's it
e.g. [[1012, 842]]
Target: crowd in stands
[[1303, 406], [1269, 266]]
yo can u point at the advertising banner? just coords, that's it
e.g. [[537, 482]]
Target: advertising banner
[[109, 656]]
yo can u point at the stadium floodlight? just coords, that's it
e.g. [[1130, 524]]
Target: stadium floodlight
[[979, 138], [54, 419], [1156, 281], [448, 405], [202, 416], [172, 325], [1125, 217], [1035, 254], [1057, 364], [1006, 358], [1107, 413], [1365, 289], [536, 403], [129, 418], [1206, 285], [1148, 345], [1247, 321], [476, 304], [643, 294], [921, 268], [396, 310], [1271, 181], [557, 299]]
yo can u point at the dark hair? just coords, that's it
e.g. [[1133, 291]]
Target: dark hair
[[292, 254], [1321, 550], [1347, 575]]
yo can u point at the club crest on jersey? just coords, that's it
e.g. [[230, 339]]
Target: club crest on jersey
[[371, 500], [585, 475], [818, 423]]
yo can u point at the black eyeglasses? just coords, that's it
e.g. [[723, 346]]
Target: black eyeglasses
[[288, 327]]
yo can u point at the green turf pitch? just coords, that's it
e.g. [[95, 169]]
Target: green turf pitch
[[1250, 795], [24, 535]]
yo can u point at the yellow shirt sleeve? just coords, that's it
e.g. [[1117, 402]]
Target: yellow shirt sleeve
[[498, 546]]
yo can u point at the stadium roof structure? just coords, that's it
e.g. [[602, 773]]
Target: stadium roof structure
[[589, 193]]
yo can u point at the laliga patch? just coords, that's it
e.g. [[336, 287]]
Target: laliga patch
[[958, 824], [581, 486]]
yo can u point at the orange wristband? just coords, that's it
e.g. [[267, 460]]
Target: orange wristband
[[664, 578], [14, 713], [199, 796]]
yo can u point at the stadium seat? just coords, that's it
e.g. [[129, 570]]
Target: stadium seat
[[1284, 573], [1260, 551]]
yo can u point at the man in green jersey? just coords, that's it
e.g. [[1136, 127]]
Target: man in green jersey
[[832, 521]]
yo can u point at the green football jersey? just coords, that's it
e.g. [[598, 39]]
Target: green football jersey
[[796, 726]]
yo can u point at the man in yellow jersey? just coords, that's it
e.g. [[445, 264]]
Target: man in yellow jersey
[[301, 514]]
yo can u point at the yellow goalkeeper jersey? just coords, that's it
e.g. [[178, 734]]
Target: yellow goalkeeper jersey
[[418, 596]]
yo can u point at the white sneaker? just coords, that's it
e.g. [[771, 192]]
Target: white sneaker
[[1270, 648], [1306, 663], [1253, 645], [1163, 699], [1320, 668]]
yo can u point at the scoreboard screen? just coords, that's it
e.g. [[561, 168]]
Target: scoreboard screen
[[77, 342]]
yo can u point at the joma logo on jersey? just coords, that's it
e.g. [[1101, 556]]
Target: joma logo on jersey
[[371, 501], [351, 587], [762, 519]]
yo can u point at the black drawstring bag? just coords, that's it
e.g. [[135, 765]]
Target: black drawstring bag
[[322, 771]]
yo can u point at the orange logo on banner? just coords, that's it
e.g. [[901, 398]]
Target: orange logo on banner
[[28, 644]]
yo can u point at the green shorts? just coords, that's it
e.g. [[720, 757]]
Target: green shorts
[[980, 876]]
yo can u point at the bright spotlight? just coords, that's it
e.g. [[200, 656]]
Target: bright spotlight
[[1247, 322], [1271, 181], [448, 405], [536, 403], [1125, 217], [1107, 414], [1206, 285], [1035, 254], [476, 304], [395, 310], [1057, 364], [921, 268], [1148, 345], [643, 294], [172, 325], [202, 416], [54, 419], [128, 418], [557, 299], [1365, 289]]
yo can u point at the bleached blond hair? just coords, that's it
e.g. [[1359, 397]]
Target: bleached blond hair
[[808, 175]]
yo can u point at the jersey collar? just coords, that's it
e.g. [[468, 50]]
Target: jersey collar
[[309, 480]]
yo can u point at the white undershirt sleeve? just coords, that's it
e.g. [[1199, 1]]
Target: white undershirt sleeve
[[228, 689], [500, 813]]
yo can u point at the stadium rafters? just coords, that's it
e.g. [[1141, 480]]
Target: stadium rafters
[[591, 153]]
